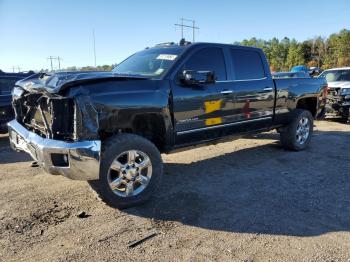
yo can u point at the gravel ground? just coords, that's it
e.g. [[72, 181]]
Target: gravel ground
[[246, 200]]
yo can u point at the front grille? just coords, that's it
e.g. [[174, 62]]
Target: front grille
[[48, 117], [334, 91]]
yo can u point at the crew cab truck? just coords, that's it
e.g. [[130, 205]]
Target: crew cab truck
[[110, 127]]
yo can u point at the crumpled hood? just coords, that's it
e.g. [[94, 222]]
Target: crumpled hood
[[339, 84], [55, 82]]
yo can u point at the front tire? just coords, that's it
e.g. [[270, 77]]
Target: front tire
[[130, 172], [297, 135]]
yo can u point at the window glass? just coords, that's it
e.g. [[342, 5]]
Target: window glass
[[247, 64], [336, 75], [151, 62], [208, 59]]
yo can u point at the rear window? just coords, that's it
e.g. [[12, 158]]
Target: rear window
[[247, 65]]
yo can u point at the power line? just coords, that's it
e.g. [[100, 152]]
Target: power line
[[193, 27], [16, 67], [55, 58]]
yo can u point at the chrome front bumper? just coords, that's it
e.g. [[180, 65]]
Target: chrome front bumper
[[82, 159]]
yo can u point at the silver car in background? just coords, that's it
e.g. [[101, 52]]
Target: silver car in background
[[338, 80]]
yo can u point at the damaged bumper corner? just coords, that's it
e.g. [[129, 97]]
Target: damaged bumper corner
[[76, 160]]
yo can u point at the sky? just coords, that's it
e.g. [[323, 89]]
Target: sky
[[33, 30]]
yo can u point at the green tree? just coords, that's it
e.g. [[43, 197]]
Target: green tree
[[295, 55]]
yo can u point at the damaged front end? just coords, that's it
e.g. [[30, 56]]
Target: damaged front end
[[52, 129], [49, 117], [338, 102]]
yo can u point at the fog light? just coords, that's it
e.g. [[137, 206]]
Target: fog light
[[60, 160]]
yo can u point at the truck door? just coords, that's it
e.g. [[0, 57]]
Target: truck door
[[253, 89], [198, 108]]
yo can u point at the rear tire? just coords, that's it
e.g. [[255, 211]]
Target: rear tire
[[123, 180], [297, 135]]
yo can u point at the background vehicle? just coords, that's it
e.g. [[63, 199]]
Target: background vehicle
[[338, 80], [7, 82], [110, 127], [300, 74], [314, 71], [300, 68]]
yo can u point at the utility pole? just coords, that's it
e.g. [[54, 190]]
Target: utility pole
[[94, 42], [55, 58], [50, 57], [193, 27]]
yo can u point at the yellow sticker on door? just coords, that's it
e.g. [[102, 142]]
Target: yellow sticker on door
[[212, 106]]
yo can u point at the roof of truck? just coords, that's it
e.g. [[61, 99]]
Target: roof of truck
[[189, 44]]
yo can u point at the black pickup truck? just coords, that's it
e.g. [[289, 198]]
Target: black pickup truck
[[110, 127], [7, 81]]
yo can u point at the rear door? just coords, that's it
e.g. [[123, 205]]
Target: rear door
[[253, 89]]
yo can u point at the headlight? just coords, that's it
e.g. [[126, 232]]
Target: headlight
[[17, 92], [345, 91]]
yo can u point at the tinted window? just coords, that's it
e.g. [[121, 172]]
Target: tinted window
[[247, 64], [208, 59]]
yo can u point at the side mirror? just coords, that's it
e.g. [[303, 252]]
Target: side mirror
[[193, 78]]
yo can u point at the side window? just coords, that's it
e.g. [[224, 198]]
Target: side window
[[247, 64], [208, 59]]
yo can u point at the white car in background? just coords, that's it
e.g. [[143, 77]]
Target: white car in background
[[338, 80]]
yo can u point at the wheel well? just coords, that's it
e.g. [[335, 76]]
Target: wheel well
[[309, 104], [152, 127]]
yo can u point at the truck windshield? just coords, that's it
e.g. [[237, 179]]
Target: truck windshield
[[336, 75], [152, 62]]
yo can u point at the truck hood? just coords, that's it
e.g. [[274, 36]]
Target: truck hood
[[339, 84], [55, 82]]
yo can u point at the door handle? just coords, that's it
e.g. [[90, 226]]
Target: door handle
[[268, 89], [226, 92]]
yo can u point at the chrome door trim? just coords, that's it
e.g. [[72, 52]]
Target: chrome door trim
[[224, 125]]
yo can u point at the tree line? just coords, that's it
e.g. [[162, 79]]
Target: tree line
[[91, 68], [322, 52], [329, 52]]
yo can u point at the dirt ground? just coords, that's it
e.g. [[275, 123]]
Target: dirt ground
[[245, 200]]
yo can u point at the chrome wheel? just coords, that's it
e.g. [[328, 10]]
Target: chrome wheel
[[303, 130], [130, 173]]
